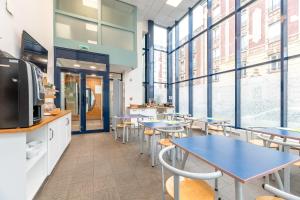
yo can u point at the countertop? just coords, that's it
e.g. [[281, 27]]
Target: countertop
[[46, 120]]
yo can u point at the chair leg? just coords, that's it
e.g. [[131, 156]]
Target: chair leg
[[124, 130], [127, 137], [115, 132], [216, 183]]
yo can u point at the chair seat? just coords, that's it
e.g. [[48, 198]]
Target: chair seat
[[148, 132], [215, 128], [129, 123], [121, 125], [165, 142], [268, 198], [178, 135], [297, 164], [260, 142], [191, 189]]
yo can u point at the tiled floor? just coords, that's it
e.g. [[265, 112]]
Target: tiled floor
[[95, 167]]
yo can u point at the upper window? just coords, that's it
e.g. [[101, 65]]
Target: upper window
[[160, 38], [221, 8], [274, 32], [183, 30], [274, 5], [200, 18]]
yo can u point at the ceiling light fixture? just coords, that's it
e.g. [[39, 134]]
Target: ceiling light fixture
[[92, 67], [90, 3], [76, 65], [91, 27], [173, 3]]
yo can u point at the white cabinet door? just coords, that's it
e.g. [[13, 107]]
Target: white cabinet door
[[54, 144], [68, 129]]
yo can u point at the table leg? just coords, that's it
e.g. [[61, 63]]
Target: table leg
[[153, 146], [206, 128], [124, 130], [185, 156], [286, 173], [142, 141], [238, 190]]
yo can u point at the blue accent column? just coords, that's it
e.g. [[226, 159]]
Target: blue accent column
[[284, 66], [237, 65], [209, 59], [176, 67], [169, 67], [146, 69], [190, 35], [150, 60]]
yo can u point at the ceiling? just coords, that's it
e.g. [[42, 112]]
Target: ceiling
[[161, 13]]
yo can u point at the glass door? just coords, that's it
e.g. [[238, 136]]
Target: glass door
[[94, 102], [83, 81]]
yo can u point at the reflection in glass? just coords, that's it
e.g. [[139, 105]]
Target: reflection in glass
[[70, 97], [223, 96], [94, 102], [260, 96], [200, 97]]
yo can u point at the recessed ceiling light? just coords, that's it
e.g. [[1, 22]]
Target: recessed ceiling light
[[93, 75], [173, 3], [91, 27], [76, 65], [92, 67], [92, 42], [90, 3]]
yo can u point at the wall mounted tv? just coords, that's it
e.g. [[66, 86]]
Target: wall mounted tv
[[33, 52]]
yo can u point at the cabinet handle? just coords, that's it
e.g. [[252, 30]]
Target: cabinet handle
[[68, 121], [51, 131]]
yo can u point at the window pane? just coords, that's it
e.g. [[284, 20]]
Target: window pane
[[86, 8], [160, 93], [117, 13], [173, 67], [184, 97], [293, 27], [184, 63], [74, 29], [223, 52], [160, 67], [260, 33], [221, 8], [260, 96], [117, 37], [160, 38], [183, 30], [174, 94], [200, 97], [200, 18], [223, 96], [200, 56], [294, 93]]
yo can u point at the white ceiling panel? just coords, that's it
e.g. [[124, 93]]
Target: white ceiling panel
[[161, 13]]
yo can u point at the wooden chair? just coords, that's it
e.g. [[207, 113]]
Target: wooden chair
[[184, 185], [280, 195], [168, 134], [259, 139], [125, 125]]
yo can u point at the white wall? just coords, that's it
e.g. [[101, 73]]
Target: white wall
[[133, 80], [34, 16]]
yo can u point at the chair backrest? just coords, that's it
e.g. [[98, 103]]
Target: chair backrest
[[181, 173], [280, 193], [278, 141]]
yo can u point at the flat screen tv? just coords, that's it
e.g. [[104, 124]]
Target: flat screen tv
[[34, 52]]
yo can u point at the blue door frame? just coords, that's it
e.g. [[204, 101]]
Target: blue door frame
[[89, 57]]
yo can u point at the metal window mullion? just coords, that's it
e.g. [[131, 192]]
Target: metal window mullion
[[284, 65], [237, 65], [169, 67], [190, 60], [176, 67], [209, 58], [150, 60]]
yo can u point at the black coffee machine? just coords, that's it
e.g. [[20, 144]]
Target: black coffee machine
[[21, 93]]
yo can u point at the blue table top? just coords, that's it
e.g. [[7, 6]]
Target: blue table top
[[160, 124], [239, 159], [132, 116], [279, 132], [213, 120]]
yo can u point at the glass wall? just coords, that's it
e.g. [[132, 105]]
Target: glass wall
[[160, 65], [248, 66]]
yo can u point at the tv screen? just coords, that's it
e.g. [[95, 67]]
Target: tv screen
[[33, 52]]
